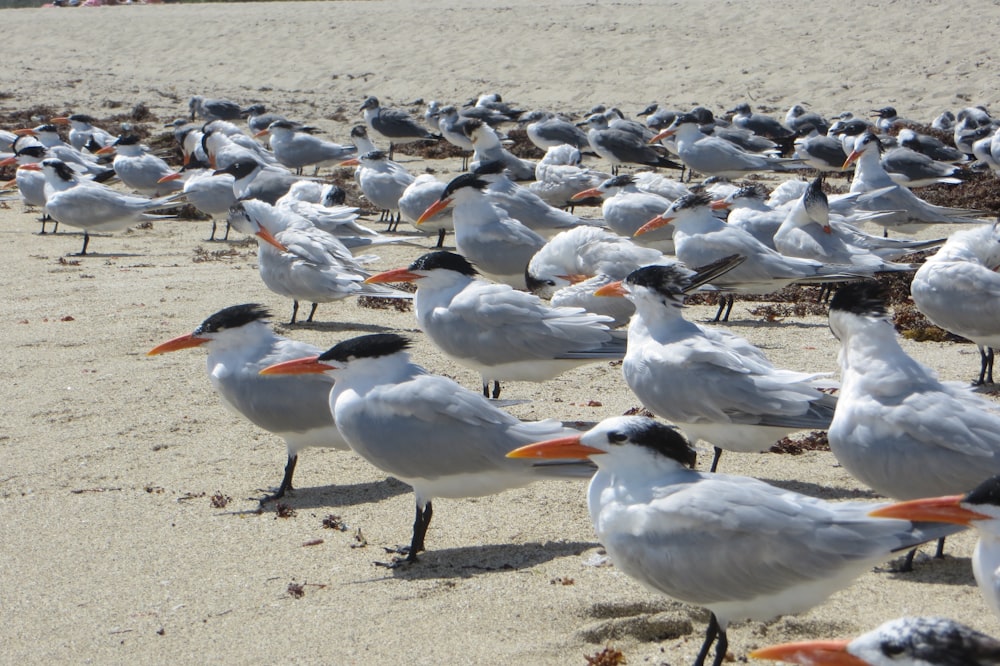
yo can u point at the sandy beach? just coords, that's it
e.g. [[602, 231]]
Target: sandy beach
[[131, 529]]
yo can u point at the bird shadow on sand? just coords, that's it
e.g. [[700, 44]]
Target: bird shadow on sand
[[339, 495], [929, 570], [776, 323], [469, 561], [336, 327]]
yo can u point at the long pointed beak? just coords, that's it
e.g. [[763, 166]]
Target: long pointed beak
[[612, 289], [574, 278], [587, 194], [350, 162], [855, 154], [561, 448], [106, 150], [25, 131], [810, 653], [433, 210], [719, 204], [946, 509], [266, 236], [397, 275], [7, 162], [655, 223], [665, 134], [31, 167], [172, 176], [61, 120], [262, 133], [299, 366], [180, 342]]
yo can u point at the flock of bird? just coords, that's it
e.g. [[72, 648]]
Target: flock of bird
[[532, 290]]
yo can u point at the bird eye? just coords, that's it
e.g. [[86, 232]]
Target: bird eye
[[891, 649], [617, 437], [550, 283]]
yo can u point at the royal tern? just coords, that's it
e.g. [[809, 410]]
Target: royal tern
[[712, 383], [626, 208], [300, 261], [295, 148], [30, 183], [979, 508], [308, 199], [395, 126], [619, 146], [418, 197], [240, 343], [140, 169], [83, 132], [701, 238], [255, 180], [710, 155], [208, 109], [48, 136], [524, 205], [560, 174], [90, 206], [739, 547], [906, 641], [424, 429], [224, 143], [957, 289], [905, 211], [383, 182], [212, 195], [897, 428], [488, 148], [486, 235], [501, 333]]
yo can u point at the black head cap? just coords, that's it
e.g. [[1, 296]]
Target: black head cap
[[621, 180], [751, 191], [670, 280], [366, 346], [82, 118], [465, 180], [375, 155], [814, 195], [62, 169], [335, 196], [664, 439], [36, 151], [233, 317], [693, 200], [865, 299], [240, 168], [359, 131], [127, 140], [987, 492], [446, 260], [489, 168]]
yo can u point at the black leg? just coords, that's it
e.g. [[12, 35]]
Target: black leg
[[441, 234], [715, 459], [729, 306], [212, 236], [939, 553], [420, 524], [496, 389], [710, 634], [486, 388], [722, 306], [989, 365], [225, 237], [907, 566], [286, 480], [295, 312], [721, 648], [312, 311], [86, 242]]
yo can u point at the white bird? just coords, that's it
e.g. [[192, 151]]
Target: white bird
[[488, 148], [424, 429], [383, 182], [958, 289], [295, 148], [240, 343], [501, 333], [712, 383], [619, 146], [48, 136], [84, 204], [560, 174], [83, 133], [575, 263], [905, 211], [140, 169], [486, 235], [524, 205], [701, 238], [306, 199], [737, 546], [256, 180], [897, 428], [714, 156], [302, 262], [418, 197], [30, 183], [626, 208], [212, 195], [906, 641]]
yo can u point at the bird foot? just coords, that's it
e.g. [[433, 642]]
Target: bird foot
[[276, 495], [398, 561]]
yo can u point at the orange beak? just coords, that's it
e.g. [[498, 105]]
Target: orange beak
[[613, 289], [106, 150], [719, 204], [574, 278], [7, 162], [263, 132], [561, 448], [61, 120], [397, 275], [26, 131], [665, 134], [31, 167], [351, 162], [180, 342], [947, 509], [300, 366], [587, 194], [266, 236], [433, 210], [172, 176], [811, 653], [655, 223], [851, 159]]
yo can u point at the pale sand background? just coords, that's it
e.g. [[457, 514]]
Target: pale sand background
[[111, 550]]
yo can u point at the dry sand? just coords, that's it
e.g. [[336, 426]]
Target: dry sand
[[111, 547]]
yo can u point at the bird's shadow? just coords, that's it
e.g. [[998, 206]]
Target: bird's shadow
[[469, 561], [352, 494], [825, 492], [927, 569], [336, 327], [777, 323]]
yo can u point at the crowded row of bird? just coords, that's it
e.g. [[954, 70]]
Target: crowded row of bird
[[573, 239]]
